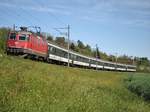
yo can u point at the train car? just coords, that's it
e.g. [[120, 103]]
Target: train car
[[131, 68], [28, 43], [59, 54]]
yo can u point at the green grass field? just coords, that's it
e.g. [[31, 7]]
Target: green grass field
[[29, 86]]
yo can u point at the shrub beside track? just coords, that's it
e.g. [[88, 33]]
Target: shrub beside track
[[139, 84]]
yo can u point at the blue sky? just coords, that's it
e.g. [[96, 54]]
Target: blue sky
[[117, 26]]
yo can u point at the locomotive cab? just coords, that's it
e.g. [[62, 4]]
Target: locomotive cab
[[17, 42], [27, 43], [11, 39]]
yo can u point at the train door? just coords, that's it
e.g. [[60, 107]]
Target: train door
[[29, 42], [32, 42]]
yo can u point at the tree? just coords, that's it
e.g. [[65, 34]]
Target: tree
[[61, 41], [88, 47], [3, 36], [50, 38], [96, 53], [143, 61], [72, 46], [80, 44], [125, 59], [112, 58]]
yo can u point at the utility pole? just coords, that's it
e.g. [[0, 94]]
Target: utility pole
[[116, 59], [96, 56], [133, 61], [68, 44], [46, 35], [14, 27], [68, 38], [132, 58]]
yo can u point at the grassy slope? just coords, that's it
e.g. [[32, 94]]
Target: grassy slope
[[39, 87]]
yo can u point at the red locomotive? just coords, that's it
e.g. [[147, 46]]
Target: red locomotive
[[27, 43]]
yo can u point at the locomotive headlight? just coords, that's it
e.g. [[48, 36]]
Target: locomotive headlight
[[16, 43]]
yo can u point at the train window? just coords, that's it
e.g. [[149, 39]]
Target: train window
[[12, 36], [50, 48], [22, 37], [100, 63], [82, 59], [111, 65], [65, 54], [74, 57], [130, 67], [86, 60], [71, 56], [121, 66], [92, 61], [78, 58], [54, 50], [106, 64]]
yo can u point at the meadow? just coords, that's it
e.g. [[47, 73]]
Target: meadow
[[30, 86]]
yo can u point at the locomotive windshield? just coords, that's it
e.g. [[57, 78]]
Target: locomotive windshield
[[12, 36], [23, 37]]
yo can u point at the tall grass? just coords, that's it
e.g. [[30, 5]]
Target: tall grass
[[28, 86]]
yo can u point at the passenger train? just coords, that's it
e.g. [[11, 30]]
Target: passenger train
[[34, 45]]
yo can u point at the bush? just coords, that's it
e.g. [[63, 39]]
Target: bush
[[139, 85], [3, 37]]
